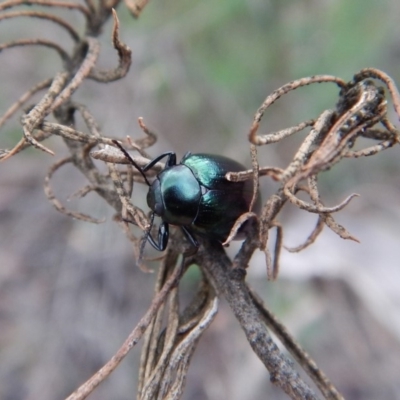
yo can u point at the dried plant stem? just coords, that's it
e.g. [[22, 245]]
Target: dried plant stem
[[42, 15], [309, 365], [46, 3], [230, 283], [83, 391]]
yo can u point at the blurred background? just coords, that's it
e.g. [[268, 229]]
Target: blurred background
[[70, 292]]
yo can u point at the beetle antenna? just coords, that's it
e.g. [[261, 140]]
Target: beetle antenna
[[132, 161]]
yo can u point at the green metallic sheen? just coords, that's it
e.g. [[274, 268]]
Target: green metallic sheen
[[181, 194], [196, 195], [222, 202]]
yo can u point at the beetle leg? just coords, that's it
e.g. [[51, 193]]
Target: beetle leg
[[162, 240], [171, 160], [190, 237]]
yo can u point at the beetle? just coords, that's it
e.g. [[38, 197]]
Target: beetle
[[196, 196]]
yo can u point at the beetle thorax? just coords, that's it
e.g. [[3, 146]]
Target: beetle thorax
[[175, 195]]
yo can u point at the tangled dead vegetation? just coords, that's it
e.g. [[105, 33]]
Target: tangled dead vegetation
[[361, 111]]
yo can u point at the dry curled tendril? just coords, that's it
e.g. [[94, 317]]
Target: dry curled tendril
[[361, 111]]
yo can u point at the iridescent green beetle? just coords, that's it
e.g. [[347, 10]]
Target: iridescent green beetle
[[196, 196]]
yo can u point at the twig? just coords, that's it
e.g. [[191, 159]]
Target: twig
[[124, 56], [23, 99], [37, 42], [230, 283], [42, 109], [136, 6], [83, 391], [317, 375], [56, 203], [42, 15], [47, 3], [86, 65]]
